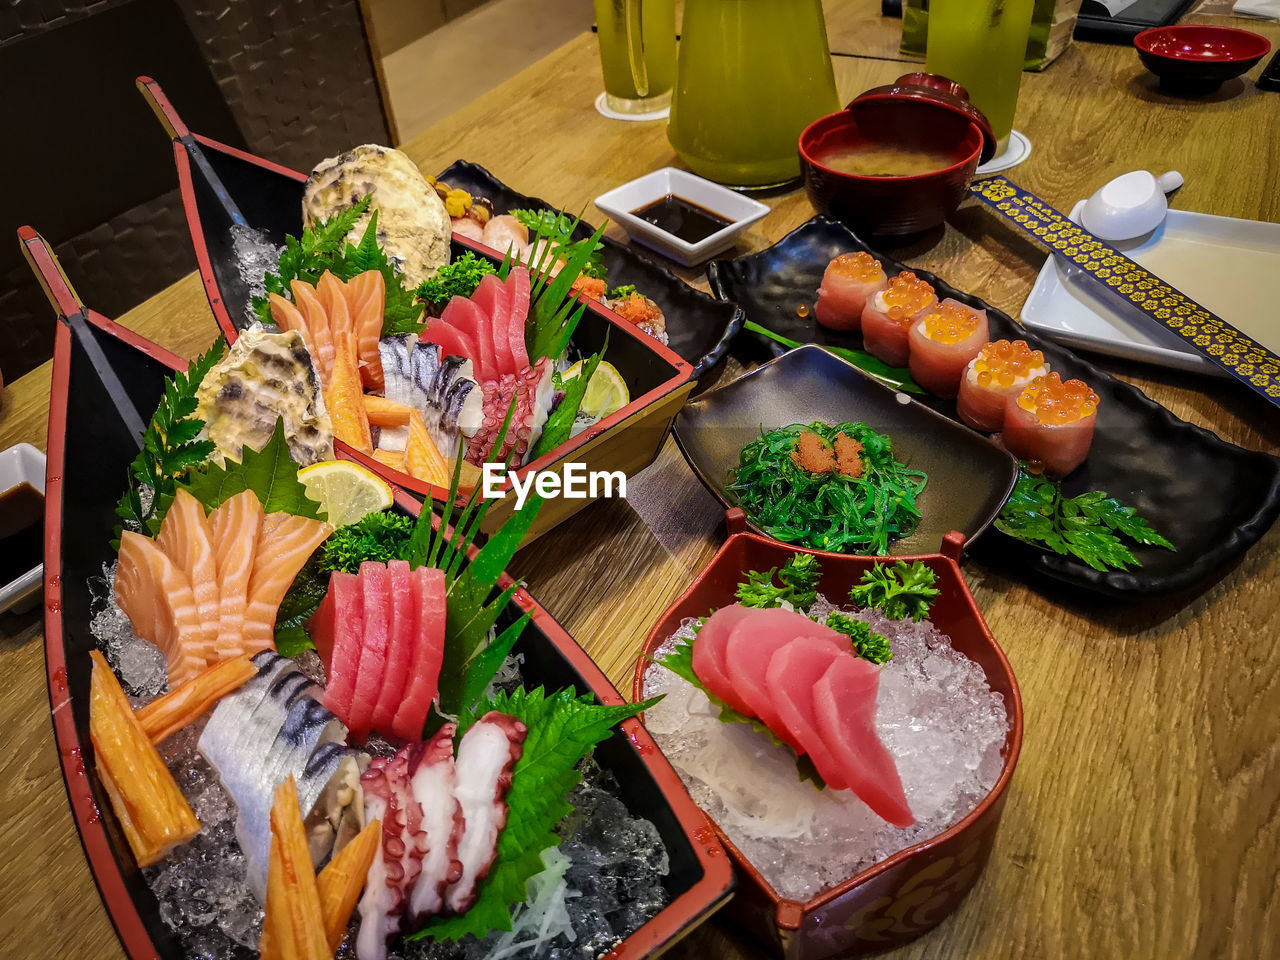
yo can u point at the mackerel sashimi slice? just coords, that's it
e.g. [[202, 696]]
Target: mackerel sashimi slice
[[844, 701], [423, 679], [399, 647], [789, 681], [709, 654], [752, 644], [335, 629], [375, 631]]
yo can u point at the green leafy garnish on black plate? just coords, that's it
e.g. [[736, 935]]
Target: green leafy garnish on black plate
[[1088, 527]]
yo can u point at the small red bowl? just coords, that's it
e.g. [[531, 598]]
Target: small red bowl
[[902, 897], [1199, 59], [890, 206]]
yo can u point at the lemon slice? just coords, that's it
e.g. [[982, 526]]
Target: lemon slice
[[347, 491], [606, 392]]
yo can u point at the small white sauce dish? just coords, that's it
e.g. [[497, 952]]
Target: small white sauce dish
[[21, 463], [741, 211]]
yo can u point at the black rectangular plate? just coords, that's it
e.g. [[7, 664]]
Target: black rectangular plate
[[1211, 498]]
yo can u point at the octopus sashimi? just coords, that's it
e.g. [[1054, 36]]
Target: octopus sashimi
[[433, 787], [285, 542], [235, 525], [486, 757], [156, 596]]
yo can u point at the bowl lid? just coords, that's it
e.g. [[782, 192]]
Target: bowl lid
[[939, 90]]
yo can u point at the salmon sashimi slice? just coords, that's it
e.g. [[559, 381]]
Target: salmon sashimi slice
[[789, 681], [332, 294], [335, 630], [423, 678], [366, 302], [844, 702], [286, 315], [752, 644], [320, 341], [284, 544], [422, 457], [399, 645], [344, 396], [236, 525], [375, 596], [709, 654], [517, 313], [186, 538], [156, 596]]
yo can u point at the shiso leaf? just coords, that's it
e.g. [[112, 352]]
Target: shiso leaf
[[299, 604], [563, 728], [271, 473], [169, 448]]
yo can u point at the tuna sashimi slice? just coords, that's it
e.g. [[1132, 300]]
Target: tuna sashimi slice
[[844, 702], [399, 647], [752, 644], [433, 787], [709, 654], [187, 540], [285, 543], [235, 525], [486, 756], [335, 629], [156, 596], [792, 672], [517, 313], [491, 299], [423, 679], [375, 593], [472, 322], [453, 342]]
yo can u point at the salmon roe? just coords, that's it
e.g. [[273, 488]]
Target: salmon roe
[[1002, 364], [950, 323], [906, 296], [1055, 402], [856, 266]]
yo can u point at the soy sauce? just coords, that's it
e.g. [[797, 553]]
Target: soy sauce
[[682, 218], [21, 530]]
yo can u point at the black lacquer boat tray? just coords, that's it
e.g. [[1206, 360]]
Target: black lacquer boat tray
[[1211, 498]]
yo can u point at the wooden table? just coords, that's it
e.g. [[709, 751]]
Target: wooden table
[[1144, 819]]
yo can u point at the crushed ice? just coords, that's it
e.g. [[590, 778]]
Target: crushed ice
[[254, 255], [139, 665], [936, 714]]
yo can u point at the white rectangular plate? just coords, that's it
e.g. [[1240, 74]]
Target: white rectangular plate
[[1231, 267]]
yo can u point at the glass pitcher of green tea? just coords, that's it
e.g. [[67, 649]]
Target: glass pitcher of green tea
[[751, 74], [637, 53]]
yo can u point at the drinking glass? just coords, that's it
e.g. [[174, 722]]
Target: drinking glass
[[980, 44], [637, 53]]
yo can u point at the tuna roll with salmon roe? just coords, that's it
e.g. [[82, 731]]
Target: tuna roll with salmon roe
[[941, 344], [999, 371], [847, 282], [890, 312], [1050, 424]]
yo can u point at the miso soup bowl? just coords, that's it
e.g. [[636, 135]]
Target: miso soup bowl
[[890, 206], [908, 894]]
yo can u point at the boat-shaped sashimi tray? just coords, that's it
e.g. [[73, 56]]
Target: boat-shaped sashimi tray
[[104, 376], [222, 187]]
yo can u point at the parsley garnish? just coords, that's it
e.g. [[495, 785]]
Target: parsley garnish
[[623, 292], [799, 577], [869, 644], [322, 248], [563, 728], [380, 537], [457, 279], [897, 590], [1085, 527], [169, 448]]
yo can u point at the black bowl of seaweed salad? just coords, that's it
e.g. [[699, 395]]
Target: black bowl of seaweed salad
[[921, 475]]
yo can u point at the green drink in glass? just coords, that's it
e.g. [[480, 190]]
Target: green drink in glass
[[637, 53], [980, 44]]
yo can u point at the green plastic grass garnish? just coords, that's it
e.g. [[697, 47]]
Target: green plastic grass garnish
[[827, 511], [1087, 527]]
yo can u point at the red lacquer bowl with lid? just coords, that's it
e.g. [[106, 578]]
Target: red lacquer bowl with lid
[[906, 895]]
